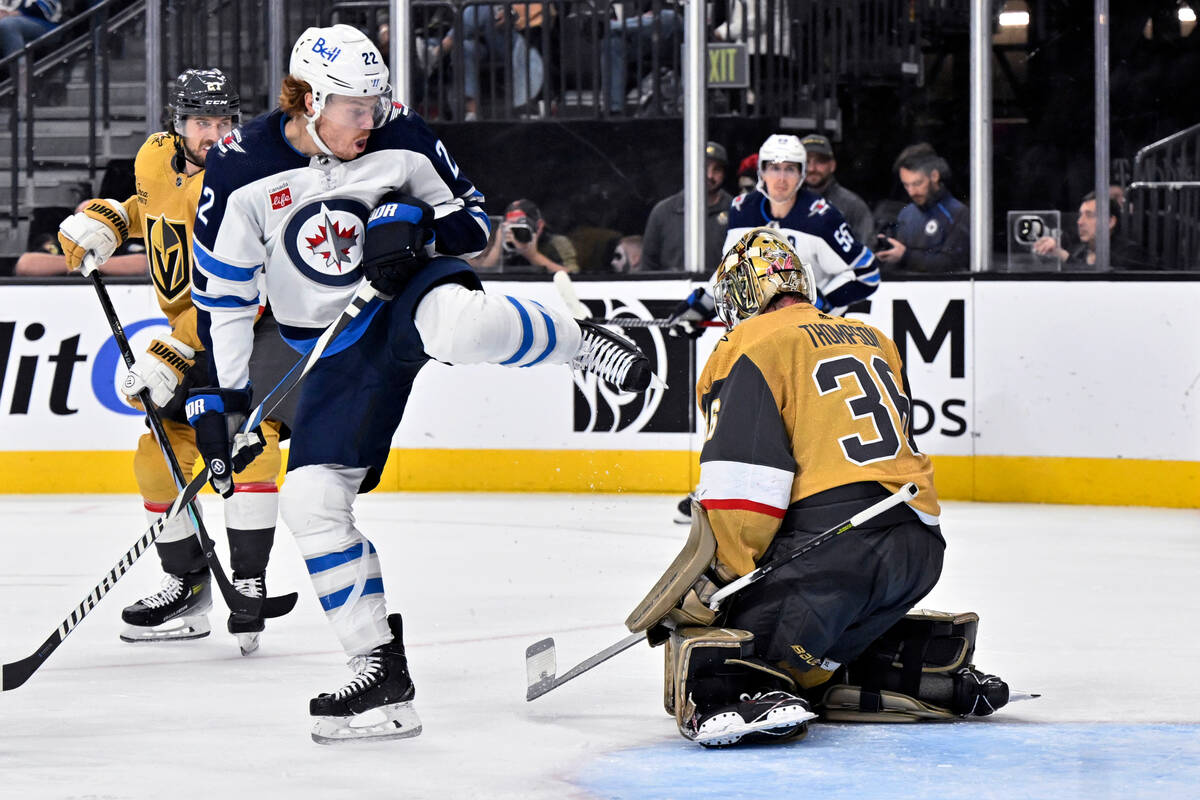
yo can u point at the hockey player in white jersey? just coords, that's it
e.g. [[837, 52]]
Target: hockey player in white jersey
[[337, 184]]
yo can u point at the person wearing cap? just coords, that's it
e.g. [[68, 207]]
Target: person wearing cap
[[747, 175], [662, 242], [523, 244], [820, 180]]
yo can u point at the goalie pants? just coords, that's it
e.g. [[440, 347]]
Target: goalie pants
[[833, 601]]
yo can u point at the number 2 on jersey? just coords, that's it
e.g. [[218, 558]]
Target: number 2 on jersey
[[870, 403]]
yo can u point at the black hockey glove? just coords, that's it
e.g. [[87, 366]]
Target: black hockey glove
[[394, 247], [217, 415], [697, 307]]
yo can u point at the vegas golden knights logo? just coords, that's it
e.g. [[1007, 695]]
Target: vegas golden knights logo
[[170, 261]]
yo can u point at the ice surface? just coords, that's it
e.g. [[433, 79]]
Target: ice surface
[[1094, 607]]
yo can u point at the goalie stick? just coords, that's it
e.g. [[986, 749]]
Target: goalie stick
[[540, 658], [236, 601], [576, 308], [16, 673]]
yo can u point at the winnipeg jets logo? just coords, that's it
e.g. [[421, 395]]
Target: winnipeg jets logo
[[817, 208], [333, 243], [324, 240]]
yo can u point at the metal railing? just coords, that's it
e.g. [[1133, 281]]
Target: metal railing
[[30, 75], [1163, 212]]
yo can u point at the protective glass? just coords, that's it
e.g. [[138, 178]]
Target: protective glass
[[361, 112]]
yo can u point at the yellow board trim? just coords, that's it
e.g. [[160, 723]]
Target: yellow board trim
[[1019, 479]]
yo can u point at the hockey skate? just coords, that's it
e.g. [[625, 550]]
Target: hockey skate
[[247, 627], [376, 704], [177, 611], [765, 717], [683, 511], [613, 358]]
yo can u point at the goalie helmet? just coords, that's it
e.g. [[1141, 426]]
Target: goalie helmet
[[781, 147], [758, 268]]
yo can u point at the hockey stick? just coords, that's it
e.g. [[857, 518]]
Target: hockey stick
[[540, 658], [16, 673], [575, 306], [267, 606]]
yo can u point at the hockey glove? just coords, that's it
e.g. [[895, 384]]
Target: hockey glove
[[160, 370], [217, 415], [394, 248], [697, 307], [101, 227]]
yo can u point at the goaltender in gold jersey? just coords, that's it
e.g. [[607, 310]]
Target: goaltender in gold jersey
[[169, 174]]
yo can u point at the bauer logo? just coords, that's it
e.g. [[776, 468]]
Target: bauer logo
[[600, 408], [324, 240]]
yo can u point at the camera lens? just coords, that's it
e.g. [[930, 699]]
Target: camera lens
[[522, 235]]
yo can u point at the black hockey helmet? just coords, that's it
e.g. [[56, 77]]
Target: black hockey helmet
[[204, 92]]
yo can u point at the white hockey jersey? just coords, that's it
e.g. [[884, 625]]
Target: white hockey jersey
[[844, 267], [299, 221]]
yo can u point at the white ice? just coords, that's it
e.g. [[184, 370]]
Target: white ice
[[1094, 607]]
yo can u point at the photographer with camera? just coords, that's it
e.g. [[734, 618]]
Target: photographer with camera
[[1123, 252], [933, 231], [521, 243]]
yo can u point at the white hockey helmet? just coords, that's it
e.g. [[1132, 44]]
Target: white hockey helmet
[[759, 267], [781, 147], [341, 64]]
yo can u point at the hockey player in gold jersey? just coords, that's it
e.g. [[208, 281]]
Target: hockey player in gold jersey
[[169, 174]]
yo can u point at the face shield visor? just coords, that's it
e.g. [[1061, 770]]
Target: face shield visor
[[357, 112], [213, 128]]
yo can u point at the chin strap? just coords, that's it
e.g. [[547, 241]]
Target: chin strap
[[311, 129]]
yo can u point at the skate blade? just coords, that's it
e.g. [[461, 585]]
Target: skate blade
[[247, 642], [398, 721], [731, 728], [179, 629]]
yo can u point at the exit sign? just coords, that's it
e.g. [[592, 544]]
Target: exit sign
[[728, 65]]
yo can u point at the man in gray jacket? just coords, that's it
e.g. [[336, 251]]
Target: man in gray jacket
[[662, 243], [819, 178]]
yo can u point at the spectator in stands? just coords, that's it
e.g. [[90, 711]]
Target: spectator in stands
[[933, 232], [642, 29], [662, 243], [23, 21], [819, 179], [1123, 252], [523, 244], [628, 255], [747, 176], [45, 258]]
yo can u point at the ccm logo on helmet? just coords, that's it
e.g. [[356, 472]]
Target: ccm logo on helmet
[[329, 55]]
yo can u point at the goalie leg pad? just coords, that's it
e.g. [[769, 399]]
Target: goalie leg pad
[[919, 669], [465, 326], [672, 597]]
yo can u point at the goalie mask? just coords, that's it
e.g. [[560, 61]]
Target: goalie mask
[[758, 268], [200, 93], [348, 78]]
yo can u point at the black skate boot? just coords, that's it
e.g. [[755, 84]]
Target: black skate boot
[[613, 358], [683, 511], [376, 704], [177, 611], [247, 627], [765, 717]]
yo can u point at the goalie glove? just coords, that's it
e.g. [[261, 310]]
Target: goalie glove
[[160, 370], [398, 237], [217, 415], [100, 228]]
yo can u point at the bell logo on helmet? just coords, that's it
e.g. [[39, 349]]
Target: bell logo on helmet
[[330, 54]]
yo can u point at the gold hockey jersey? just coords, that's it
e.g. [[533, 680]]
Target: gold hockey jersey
[[162, 213], [798, 402]]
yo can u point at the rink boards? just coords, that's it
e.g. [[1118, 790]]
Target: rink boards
[[1051, 391]]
